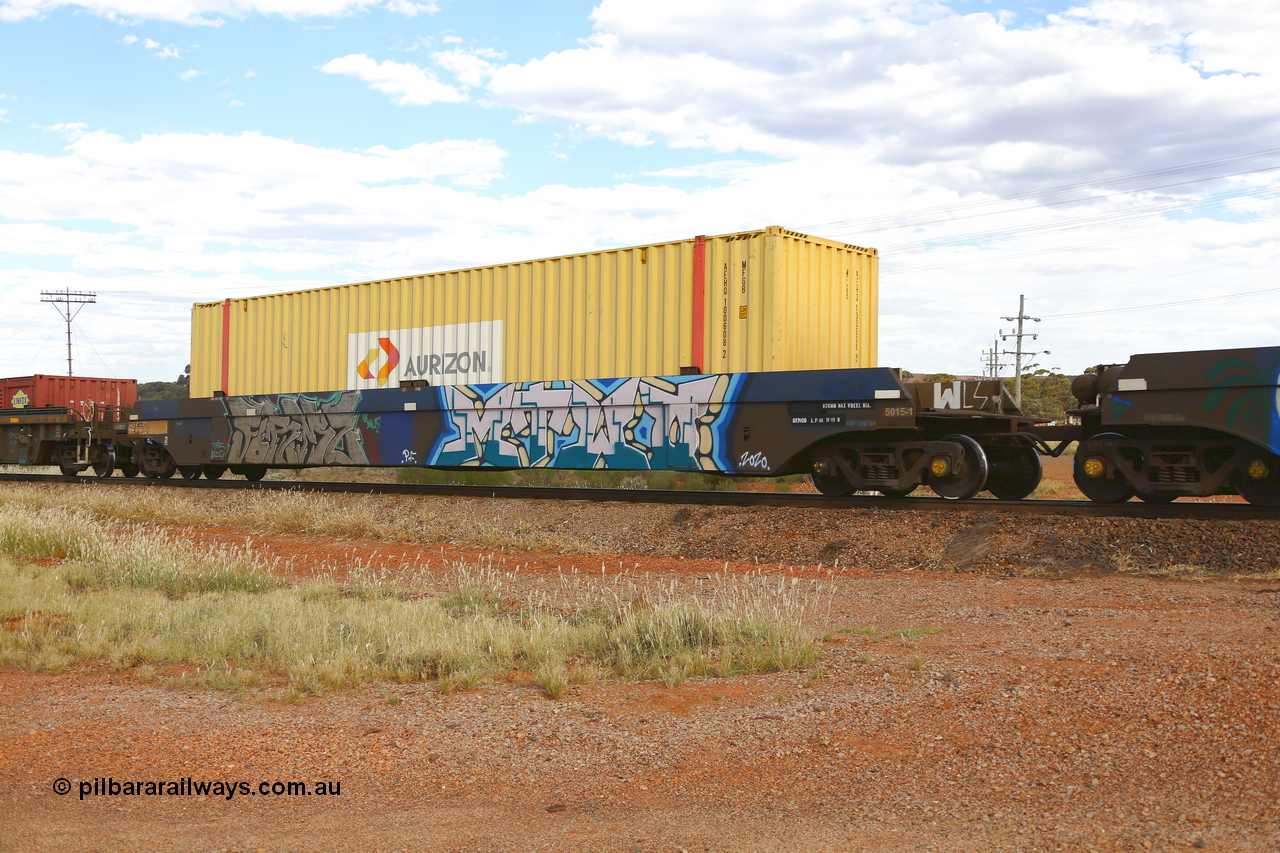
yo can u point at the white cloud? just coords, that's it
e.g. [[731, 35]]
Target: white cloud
[[235, 103], [162, 51], [471, 67], [253, 213], [878, 106], [38, 238], [831, 116], [410, 9], [72, 129], [191, 74], [207, 12], [245, 187], [1112, 82], [250, 74], [407, 84]]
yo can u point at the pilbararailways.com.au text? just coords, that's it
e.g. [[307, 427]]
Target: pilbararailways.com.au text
[[188, 787]]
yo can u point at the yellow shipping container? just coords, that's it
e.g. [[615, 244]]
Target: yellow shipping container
[[755, 301]]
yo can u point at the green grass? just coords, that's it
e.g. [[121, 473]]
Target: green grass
[[72, 592]]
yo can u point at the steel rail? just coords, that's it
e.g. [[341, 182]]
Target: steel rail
[[1204, 510]]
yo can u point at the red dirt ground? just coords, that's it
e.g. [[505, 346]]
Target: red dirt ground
[[1092, 711]]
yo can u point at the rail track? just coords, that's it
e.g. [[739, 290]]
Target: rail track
[[1189, 509]]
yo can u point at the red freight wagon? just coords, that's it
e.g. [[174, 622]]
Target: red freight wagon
[[80, 393]]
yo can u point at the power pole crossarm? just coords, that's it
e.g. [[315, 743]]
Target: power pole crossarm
[[62, 301], [993, 359], [1019, 352]]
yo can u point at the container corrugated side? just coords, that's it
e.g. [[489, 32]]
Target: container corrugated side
[[73, 392], [764, 300], [790, 301]]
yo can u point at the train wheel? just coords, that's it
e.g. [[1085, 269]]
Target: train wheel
[[1258, 480], [962, 478], [898, 493], [1090, 475], [828, 478], [189, 472], [156, 463], [833, 486], [254, 473], [128, 469], [213, 472], [67, 462], [1015, 471], [102, 458]]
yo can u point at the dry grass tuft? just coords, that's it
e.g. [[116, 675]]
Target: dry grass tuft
[[137, 599], [1182, 572], [1128, 564]]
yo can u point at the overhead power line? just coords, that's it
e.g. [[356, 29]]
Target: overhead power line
[[1051, 191], [1014, 255], [1059, 293], [1094, 220], [1160, 304], [85, 338], [1077, 200]]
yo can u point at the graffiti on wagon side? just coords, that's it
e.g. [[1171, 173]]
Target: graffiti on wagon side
[[296, 429], [633, 423]]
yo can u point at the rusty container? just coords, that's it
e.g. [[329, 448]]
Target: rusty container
[[756, 301]]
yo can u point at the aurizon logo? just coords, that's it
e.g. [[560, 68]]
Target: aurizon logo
[[365, 368]]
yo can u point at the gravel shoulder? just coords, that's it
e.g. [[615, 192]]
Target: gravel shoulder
[[1048, 702]]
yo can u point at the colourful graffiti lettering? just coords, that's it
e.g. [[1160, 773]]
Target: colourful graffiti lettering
[[635, 423]]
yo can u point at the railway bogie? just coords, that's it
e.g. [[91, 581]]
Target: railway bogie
[[61, 437]]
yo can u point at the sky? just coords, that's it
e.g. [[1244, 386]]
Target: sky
[[1115, 162]]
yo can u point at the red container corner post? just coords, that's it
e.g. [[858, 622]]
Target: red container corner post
[[80, 393]]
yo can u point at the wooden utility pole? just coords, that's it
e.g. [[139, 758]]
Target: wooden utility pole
[[1019, 352], [63, 300], [993, 360]]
